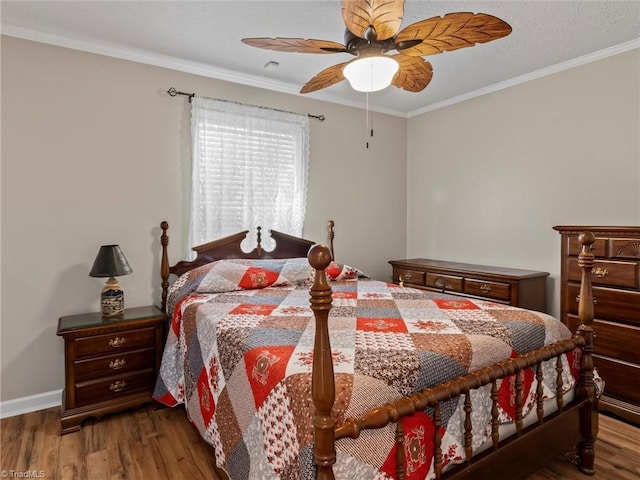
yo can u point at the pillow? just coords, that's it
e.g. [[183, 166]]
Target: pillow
[[248, 274], [336, 271], [233, 275]]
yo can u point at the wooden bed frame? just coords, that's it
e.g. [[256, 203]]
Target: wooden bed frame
[[530, 448]]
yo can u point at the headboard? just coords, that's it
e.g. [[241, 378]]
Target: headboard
[[287, 246]]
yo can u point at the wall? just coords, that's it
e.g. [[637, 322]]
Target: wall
[[92, 149], [490, 177]]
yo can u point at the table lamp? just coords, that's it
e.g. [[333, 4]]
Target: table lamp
[[111, 262]]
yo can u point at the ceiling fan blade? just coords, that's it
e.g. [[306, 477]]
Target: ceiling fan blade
[[414, 73], [451, 32], [384, 15], [299, 45], [326, 78]]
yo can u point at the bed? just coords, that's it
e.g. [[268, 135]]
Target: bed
[[294, 366]]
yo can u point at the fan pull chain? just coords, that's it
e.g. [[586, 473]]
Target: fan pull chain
[[366, 121]]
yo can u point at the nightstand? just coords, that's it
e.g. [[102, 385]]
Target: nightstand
[[110, 364]]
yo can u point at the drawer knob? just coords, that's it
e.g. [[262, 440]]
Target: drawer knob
[[485, 288], [118, 386], [441, 284], [599, 272], [117, 364], [117, 342]]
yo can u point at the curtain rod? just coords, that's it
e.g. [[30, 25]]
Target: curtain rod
[[173, 92]]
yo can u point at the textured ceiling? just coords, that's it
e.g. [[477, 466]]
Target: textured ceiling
[[204, 37]]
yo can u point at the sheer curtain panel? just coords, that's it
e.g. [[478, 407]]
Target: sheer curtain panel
[[250, 168]]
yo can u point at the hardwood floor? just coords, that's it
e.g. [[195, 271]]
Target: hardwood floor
[[157, 444]]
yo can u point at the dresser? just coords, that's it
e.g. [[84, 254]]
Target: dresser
[[616, 290], [110, 364], [511, 286]]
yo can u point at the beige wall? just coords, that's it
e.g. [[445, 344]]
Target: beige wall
[[92, 149], [490, 177]]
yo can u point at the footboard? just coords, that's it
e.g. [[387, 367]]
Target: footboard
[[549, 436]]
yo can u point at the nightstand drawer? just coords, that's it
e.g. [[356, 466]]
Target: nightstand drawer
[[114, 387], [446, 283], [483, 288], [108, 365], [115, 342], [412, 277]]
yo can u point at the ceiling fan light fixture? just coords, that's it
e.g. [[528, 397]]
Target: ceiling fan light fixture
[[371, 73]]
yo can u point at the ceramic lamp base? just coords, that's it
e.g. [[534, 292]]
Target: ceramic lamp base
[[112, 299]]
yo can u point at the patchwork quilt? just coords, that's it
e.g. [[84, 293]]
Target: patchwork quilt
[[239, 357]]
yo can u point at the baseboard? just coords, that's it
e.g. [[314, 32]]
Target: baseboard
[[32, 403]]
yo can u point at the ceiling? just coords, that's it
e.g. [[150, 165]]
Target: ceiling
[[203, 37]]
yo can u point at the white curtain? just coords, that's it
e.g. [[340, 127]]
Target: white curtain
[[250, 168]]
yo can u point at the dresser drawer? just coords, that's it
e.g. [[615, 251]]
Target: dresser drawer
[[413, 277], [599, 248], [609, 304], [625, 248], [613, 339], [114, 387], [446, 283], [119, 363], [115, 342], [610, 273], [620, 378], [482, 288]]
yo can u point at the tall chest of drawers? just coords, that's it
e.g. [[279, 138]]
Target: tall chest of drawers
[[616, 289]]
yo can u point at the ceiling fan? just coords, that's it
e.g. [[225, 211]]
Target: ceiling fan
[[373, 29]]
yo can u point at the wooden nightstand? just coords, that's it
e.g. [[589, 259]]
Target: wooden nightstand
[[110, 364]]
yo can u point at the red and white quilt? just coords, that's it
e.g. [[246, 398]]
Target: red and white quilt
[[240, 361]]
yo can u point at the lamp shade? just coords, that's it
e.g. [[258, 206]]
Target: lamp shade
[[371, 73], [110, 262]]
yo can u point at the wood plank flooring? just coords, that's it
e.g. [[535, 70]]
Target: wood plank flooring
[[156, 444]]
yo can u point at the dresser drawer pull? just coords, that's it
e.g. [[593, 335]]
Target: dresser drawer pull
[[117, 364], [117, 342], [441, 284], [118, 386], [599, 272], [485, 288], [578, 299]]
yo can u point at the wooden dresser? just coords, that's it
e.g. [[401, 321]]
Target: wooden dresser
[[616, 290], [521, 288]]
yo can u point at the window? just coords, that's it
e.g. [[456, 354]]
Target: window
[[250, 167]]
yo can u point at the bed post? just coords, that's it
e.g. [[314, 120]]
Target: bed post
[[164, 265], [586, 387], [330, 235], [322, 380]]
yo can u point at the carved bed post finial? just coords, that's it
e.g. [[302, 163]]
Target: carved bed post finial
[[322, 380], [586, 386], [259, 235], [330, 235], [164, 265]]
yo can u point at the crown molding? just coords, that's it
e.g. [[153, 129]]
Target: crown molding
[[174, 63], [559, 67]]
